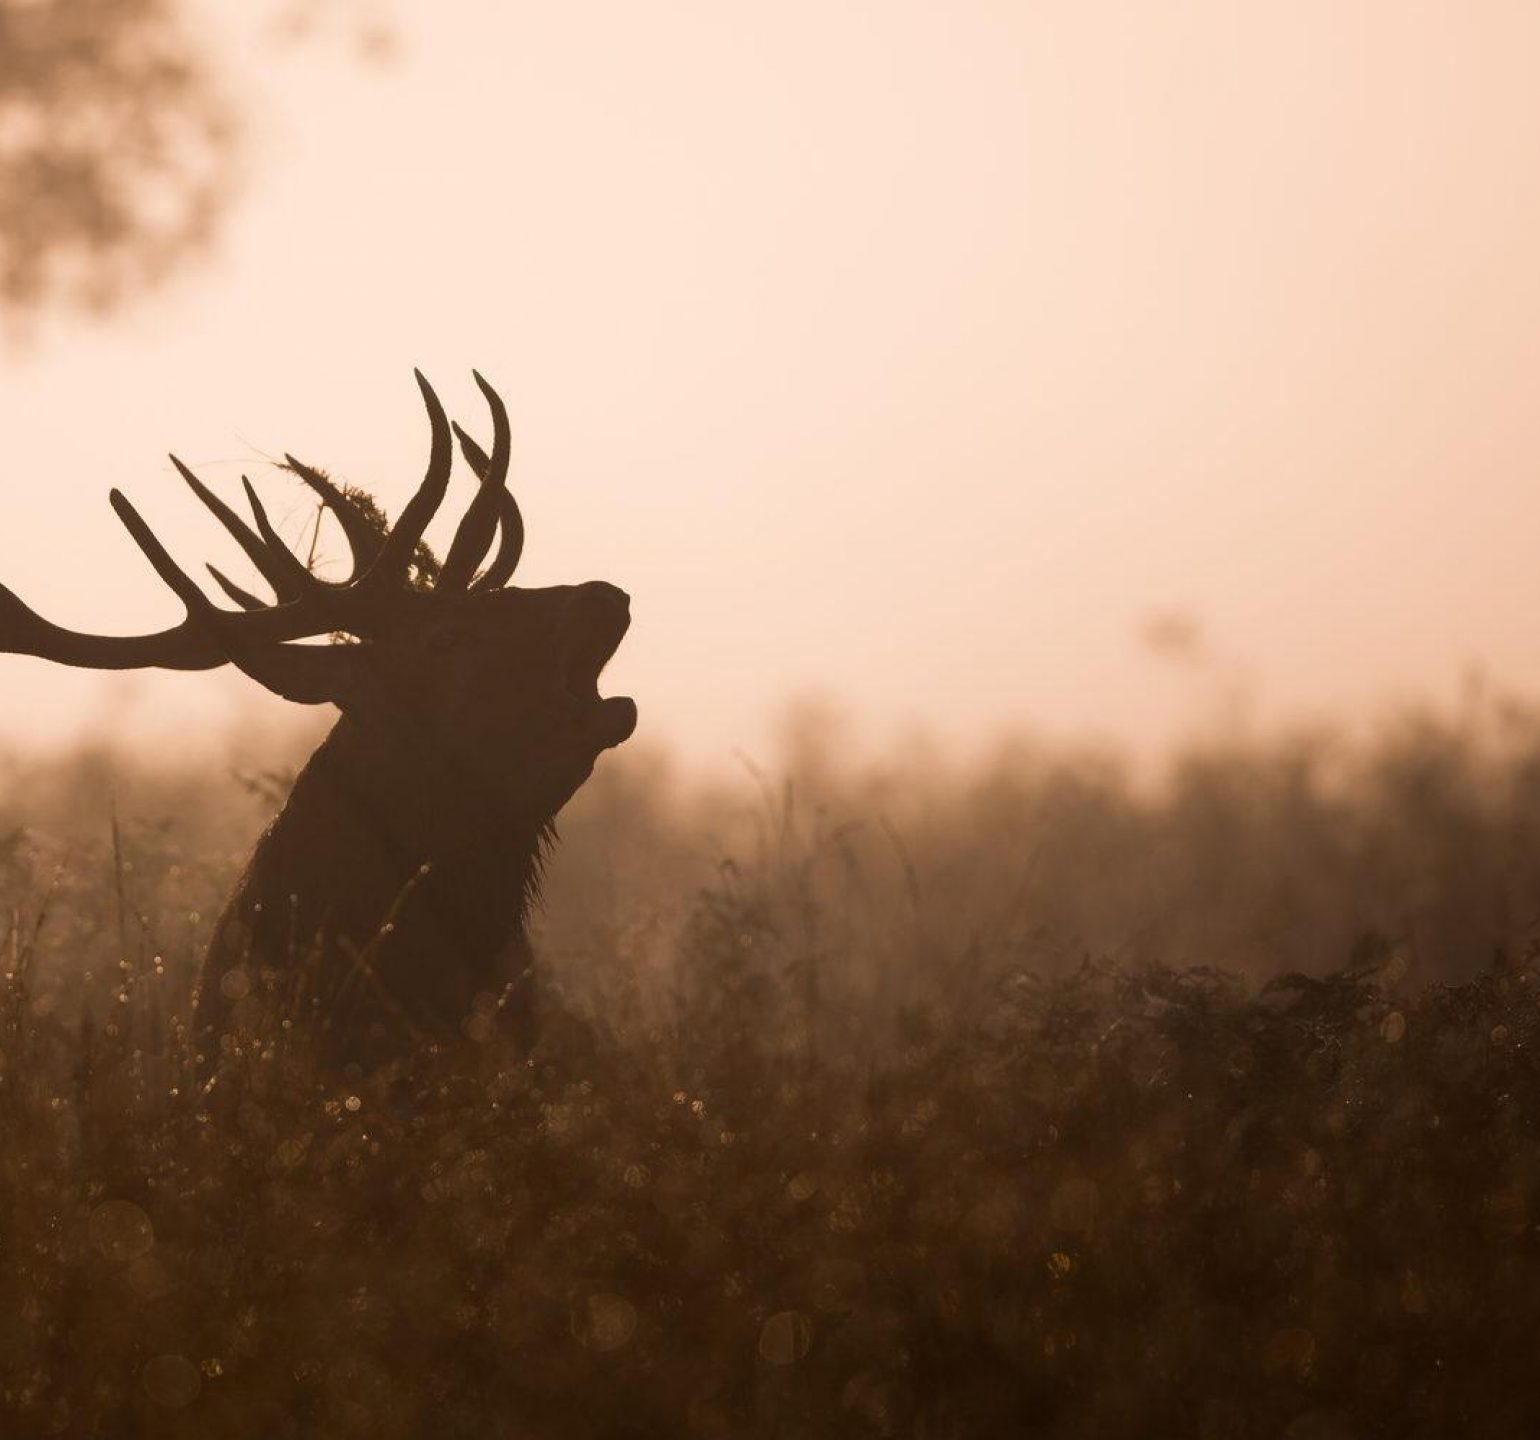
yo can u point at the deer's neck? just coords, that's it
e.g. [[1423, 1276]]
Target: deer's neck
[[373, 808], [385, 843]]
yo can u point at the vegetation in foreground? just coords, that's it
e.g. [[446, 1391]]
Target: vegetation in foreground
[[753, 1182]]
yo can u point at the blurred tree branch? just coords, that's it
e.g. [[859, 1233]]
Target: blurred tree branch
[[118, 144]]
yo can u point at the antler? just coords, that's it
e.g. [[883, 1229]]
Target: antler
[[363, 539], [474, 536], [253, 637], [511, 522]]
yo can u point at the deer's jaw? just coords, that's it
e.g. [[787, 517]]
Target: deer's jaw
[[597, 620]]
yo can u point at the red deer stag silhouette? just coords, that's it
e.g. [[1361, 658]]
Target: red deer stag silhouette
[[389, 895]]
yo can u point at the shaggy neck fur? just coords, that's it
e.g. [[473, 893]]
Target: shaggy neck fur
[[387, 889]]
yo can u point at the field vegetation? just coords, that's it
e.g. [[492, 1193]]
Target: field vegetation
[[900, 1098]]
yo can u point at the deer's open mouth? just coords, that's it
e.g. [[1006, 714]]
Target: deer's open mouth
[[597, 637]]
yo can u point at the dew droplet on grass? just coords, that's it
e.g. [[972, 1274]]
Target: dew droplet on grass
[[785, 1338], [121, 1231]]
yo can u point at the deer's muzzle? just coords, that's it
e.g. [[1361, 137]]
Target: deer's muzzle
[[596, 622]]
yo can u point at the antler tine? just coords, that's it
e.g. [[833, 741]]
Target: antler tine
[[509, 550], [363, 539], [257, 549], [199, 606], [244, 598], [300, 580], [479, 524], [475, 456], [394, 561], [511, 544]]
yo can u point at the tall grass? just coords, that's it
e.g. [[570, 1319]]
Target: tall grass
[[901, 1099]]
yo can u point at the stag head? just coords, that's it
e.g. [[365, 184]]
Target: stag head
[[471, 712], [495, 688]]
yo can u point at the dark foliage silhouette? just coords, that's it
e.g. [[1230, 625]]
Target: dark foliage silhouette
[[115, 144], [121, 141], [387, 900]]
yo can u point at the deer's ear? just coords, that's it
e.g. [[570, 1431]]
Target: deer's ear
[[305, 674]]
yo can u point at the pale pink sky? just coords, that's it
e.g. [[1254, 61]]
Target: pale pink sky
[[915, 353]]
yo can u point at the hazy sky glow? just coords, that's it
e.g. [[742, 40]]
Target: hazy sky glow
[[913, 353]]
